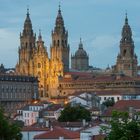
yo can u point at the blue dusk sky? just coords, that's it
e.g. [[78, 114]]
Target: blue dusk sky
[[97, 22]]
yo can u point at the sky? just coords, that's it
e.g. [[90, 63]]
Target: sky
[[97, 22]]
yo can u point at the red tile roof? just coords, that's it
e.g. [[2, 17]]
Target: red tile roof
[[127, 103], [33, 128], [53, 107], [99, 93], [123, 105], [67, 124], [83, 76], [109, 92], [58, 132], [98, 137]]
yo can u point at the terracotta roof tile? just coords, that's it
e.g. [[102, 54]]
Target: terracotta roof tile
[[83, 76], [53, 107], [33, 128], [98, 137], [67, 124], [58, 132], [123, 105]]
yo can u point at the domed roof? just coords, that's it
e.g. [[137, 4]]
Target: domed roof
[[81, 52]]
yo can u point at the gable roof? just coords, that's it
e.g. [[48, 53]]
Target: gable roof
[[58, 132], [123, 105], [34, 128], [53, 107]]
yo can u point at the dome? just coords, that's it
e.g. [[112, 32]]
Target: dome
[[81, 52]]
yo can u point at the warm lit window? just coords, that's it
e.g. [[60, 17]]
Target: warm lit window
[[39, 65], [39, 74]]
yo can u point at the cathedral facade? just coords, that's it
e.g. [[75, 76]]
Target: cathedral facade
[[53, 73], [34, 60]]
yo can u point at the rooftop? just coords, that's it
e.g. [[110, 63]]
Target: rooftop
[[17, 78], [123, 105], [58, 132]]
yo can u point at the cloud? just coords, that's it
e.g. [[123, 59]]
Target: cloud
[[103, 50], [105, 41], [9, 47]]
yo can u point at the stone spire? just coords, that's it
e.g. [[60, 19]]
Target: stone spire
[[80, 44], [39, 36], [40, 42], [28, 25], [27, 40], [60, 47], [127, 59], [126, 32], [59, 23]]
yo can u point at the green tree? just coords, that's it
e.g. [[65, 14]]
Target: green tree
[[109, 102], [122, 127], [76, 113], [8, 131]]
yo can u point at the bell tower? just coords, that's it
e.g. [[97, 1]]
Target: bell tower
[[127, 59], [60, 48], [27, 45]]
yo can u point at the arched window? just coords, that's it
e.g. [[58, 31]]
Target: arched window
[[58, 42], [124, 53], [39, 74], [26, 44], [39, 65], [54, 42], [41, 93], [62, 42], [30, 44]]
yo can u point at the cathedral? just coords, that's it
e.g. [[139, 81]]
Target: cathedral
[[34, 60], [123, 77], [55, 78]]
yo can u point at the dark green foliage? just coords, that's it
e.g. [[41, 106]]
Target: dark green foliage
[[76, 113], [109, 102], [122, 127], [8, 131]]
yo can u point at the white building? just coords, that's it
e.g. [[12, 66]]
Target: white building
[[89, 132], [105, 95], [29, 113], [52, 111], [29, 132], [85, 99]]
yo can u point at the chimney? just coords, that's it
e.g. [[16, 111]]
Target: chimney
[[84, 122], [47, 123], [51, 128], [61, 138], [85, 135]]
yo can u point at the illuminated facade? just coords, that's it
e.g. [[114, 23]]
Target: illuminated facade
[[51, 72], [34, 60]]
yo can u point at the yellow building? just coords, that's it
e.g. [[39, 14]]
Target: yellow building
[[34, 60]]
